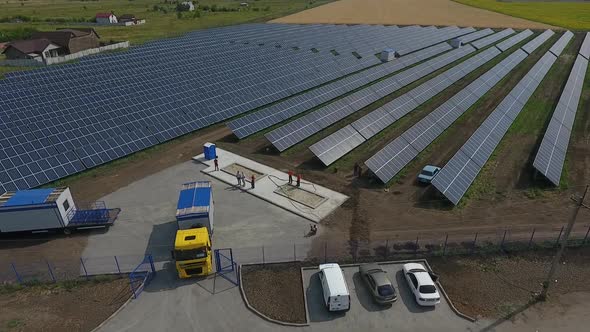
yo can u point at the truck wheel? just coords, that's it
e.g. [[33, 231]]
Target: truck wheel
[[67, 231]]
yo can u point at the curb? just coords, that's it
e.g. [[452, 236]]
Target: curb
[[263, 316], [115, 313]]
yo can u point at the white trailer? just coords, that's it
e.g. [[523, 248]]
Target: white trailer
[[42, 210]]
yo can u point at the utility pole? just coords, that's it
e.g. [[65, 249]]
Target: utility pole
[[557, 258]]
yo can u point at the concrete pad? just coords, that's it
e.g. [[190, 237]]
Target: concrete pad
[[403, 315], [273, 179]]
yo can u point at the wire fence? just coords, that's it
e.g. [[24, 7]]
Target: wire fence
[[424, 245], [45, 270]]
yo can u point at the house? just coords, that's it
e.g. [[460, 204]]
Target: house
[[186, 6], [71, 40], [37, 49], [106, 18], [130, 19]]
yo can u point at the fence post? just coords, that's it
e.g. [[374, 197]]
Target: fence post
[[531, 239], [263, 257], [18, 278], [559, 236], [475, 241], [586, 237], [325, 252], [445, 247], [386, 249], [503, 239], [294, 253], [116, 262], [151, 259], [84, 267], [416, 245], [132, 288], [50, 271]]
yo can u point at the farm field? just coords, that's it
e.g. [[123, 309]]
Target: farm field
[[567, 14], [407, 12]]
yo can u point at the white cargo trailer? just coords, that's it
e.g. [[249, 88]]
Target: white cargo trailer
[[41, 210]]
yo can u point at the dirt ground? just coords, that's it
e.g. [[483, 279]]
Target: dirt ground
[[59, 307], [406, 12], [276, 291], [497, 286]]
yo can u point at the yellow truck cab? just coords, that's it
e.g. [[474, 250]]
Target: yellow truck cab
[[194, 217], [192, 252]]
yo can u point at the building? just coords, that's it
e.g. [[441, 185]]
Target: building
[[71, 40], [130, 19], [37, 49], [106, 18], [186, 6]]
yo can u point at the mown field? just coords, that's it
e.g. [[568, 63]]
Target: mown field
[[570, 15]]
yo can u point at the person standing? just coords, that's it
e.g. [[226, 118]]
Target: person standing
[[216, 163], [253, 180], [243, 179], [290, 177], [298, 180], [238, 177]]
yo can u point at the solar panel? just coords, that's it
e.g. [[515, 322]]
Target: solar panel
[[327, 151], [585, 48], [476, 35], [552, 151], [386, 163], [531, 46], [454, 181], [560, 45], [508, 43], [311, 123], [492, 38]]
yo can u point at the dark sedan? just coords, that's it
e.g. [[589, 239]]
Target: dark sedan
[[378, 282]]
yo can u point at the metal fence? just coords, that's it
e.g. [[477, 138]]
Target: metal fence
[[422, 244], [47, 270]]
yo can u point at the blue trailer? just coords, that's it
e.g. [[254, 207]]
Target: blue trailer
[[53, 209], [195, 206]]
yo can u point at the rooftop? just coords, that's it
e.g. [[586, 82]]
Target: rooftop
[[30, 197], [194, 198], [30, 46]]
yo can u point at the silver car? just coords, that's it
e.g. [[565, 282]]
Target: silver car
[[378, 282]]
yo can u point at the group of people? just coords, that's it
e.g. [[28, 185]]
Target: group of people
[[241, 177]]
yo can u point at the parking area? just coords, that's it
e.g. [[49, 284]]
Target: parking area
[[403, 315], [147, 223]]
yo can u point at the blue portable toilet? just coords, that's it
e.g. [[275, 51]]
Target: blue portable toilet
[[209, 151]]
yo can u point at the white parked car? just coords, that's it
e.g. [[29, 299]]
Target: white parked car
[[421, 284], [334, 288]]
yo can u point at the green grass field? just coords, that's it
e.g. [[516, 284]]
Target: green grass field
[[570, 15]]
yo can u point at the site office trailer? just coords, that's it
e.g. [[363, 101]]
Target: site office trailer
[[195, 206], [35, 210]]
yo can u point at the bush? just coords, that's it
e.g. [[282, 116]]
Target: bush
[[17, 34]]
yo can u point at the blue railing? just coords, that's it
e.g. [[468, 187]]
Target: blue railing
[[97, 213]]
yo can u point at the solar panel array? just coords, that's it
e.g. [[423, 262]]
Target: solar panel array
[[508, 43], [311, 123], [390, 160], [458, 174], [492, 38], [551, 155], [276, 113], [560, 45], [585, 49], [476, 35], [60, 120], [531, 46], [336, 145]]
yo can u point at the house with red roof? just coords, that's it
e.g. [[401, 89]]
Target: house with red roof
[[106, 18]]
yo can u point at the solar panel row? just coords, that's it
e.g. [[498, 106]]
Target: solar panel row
[[560, 45], [551, 155], [585, 49], [390, 160], [458, 174], [284, 110], [336, 145], [476, 35], [508, 43], [309, 124], [531, 46], [84, 121], [492, 38], [276, 113]]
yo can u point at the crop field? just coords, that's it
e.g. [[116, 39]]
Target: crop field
[[573, 15]]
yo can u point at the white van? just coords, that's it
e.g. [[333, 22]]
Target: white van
[[336, 294]]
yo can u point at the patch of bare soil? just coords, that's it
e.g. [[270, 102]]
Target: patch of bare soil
[[61, 307], [495, 286], [276, 291], [406, 12]]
